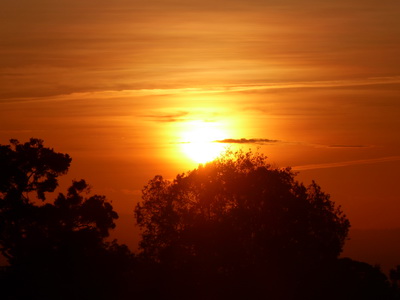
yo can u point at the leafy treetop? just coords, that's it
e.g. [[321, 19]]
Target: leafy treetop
[[30, 167], [239, 213], [74, 224]]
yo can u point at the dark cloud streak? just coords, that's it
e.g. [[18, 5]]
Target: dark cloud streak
[[247, 141], [348, 146], [169, 118], [270, 141]]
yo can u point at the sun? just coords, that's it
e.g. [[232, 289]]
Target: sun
[[199, 140]]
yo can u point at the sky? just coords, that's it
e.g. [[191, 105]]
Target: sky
[[131, 89]]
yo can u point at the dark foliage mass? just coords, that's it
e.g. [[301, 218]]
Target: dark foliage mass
[[55, 250], [240, 207], [235, 228], [238, 228]]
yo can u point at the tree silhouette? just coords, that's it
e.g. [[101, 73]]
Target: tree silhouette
[[395, 275], [30, 167], [349, 279], [60, 245], [25, 169], [235, 228], [241, 223]]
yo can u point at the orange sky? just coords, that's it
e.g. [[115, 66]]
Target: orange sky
[[314, 84]]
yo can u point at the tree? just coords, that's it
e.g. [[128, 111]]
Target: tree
[[238, 218], [58, 245], [395, 276], [25, 169], [350, 279], [30, 167]]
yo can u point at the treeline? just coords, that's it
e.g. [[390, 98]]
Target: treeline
[[235, 228]]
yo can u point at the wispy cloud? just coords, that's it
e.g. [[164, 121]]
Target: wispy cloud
[[264, 141], [348, 146], [247, 141], [125, 93], [169, 118], [346, 163], [270, 86]]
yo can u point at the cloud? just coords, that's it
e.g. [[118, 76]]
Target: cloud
[[346, 163], [270, 141], [246, 141], [348, 146], [169, 118], [228, 88]]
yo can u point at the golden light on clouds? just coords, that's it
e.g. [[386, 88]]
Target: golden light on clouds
[[198, 140]]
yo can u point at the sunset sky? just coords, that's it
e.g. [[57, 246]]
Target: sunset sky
[[131, 89]]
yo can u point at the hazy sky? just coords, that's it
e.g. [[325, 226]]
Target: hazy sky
[[118, 85]]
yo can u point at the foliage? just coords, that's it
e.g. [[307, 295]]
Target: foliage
[[348, 279], [29, 228], [241, 200], [60, 244], [30, 167], [239, 215], [235, 228]]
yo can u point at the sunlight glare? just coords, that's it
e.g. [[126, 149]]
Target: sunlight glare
[[199, 141]]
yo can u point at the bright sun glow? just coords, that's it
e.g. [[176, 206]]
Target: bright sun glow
[[199, 141]]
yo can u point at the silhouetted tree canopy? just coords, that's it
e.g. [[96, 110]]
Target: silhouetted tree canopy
[[30, 167], [238, 217], [235, 228], [350, 279], [59, 244], [73, 219]]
